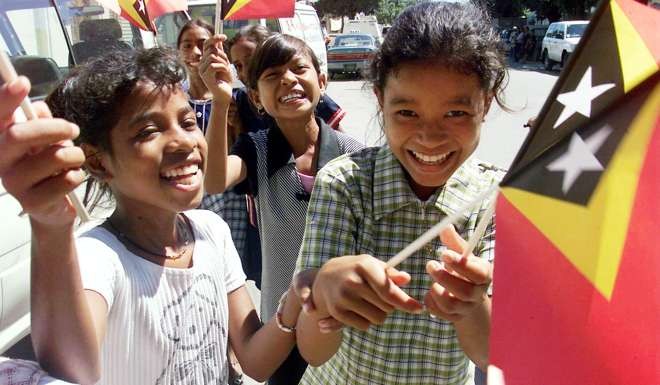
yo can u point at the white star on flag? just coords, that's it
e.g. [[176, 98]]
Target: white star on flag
[[580, 99], [580, 157], [141, 6]]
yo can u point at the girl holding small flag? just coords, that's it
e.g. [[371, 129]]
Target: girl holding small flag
[[276, 165], [434, 76], [155, 293]]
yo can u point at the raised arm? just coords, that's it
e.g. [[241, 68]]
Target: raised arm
[[39, 166], [223, 170]]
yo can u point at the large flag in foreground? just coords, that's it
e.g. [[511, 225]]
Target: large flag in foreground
[[256, 9], [576, 294], [142, 13]]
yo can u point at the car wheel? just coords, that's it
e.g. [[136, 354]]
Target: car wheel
[[547, 63]]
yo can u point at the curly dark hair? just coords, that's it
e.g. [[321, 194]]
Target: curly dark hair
[[93, 95], [459, 36], [275, 51]]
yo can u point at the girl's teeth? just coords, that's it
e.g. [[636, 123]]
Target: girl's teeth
[[185, 170], [430, 158]]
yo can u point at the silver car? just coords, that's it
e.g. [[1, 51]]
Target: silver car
[[351, 54]]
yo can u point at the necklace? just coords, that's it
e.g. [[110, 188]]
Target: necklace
[[178, 255]]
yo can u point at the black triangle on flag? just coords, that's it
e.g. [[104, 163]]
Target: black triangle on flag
[[590, 82]]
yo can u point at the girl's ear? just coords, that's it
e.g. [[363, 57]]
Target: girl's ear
[[487, 103], [379, 96], [255, 99], [94, 162], [323, 82]]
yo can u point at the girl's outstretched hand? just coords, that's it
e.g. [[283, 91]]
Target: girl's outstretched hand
[[360, 291], [214, 68], [461, 285], [39, 164]]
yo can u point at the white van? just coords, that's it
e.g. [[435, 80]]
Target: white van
[[304, 24], [367, 26]]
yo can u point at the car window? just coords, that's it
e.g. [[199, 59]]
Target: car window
[[551, 31], [353, 41], [206, 12], [168, 27], [33, 37], [575, 30]]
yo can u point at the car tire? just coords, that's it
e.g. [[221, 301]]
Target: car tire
[[547, 63]]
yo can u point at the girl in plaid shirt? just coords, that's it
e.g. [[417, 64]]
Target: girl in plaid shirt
[[435, 77]]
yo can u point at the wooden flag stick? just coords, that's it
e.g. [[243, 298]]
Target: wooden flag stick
[[434, 231], [8, 74], [481, 227], [219, 27]]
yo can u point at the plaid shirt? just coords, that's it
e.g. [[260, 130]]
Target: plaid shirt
[[362, 203]]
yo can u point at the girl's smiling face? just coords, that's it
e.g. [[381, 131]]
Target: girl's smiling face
[[291, 90], [241, 52], [432, 118], [158, 152], [191, 45]]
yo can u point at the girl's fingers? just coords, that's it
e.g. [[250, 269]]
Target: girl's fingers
[[52, 161], [49, 196], [18, 139], [329, 325], [440, 303], [452, 239], [352, 319], [373, 272], [458, 287], [12, 94], [477, 270]]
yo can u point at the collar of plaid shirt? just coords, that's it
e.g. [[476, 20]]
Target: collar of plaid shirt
[[393, 192]]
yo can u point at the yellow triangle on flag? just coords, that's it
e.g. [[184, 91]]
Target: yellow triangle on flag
[[129, 9], [592, 237], [236, 7], [637, 62]]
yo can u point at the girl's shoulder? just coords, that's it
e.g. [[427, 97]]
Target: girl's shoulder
[[355, 165], [348, 143]]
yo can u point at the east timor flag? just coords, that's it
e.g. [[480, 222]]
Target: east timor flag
[[142, 13], [620, 49], [575, 298], [256, 9]]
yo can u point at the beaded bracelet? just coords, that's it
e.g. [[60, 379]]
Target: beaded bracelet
[[278, 315]]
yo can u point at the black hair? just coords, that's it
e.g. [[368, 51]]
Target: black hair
[[255, 33], [195, 23], [275, 51], [459, 36], [93, 95]]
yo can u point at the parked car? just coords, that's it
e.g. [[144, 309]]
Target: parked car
[[304, 25], [351, 54], [44, 39], [560, 41]]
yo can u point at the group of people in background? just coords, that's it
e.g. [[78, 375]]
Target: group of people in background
[[156, 294], [522, 44]]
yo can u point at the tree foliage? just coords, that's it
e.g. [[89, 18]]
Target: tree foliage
[[341, 8], [388, 10]]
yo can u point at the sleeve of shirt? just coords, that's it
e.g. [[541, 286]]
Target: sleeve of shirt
[[98, 267], [328, 110], [244, 148], [330, 224]]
